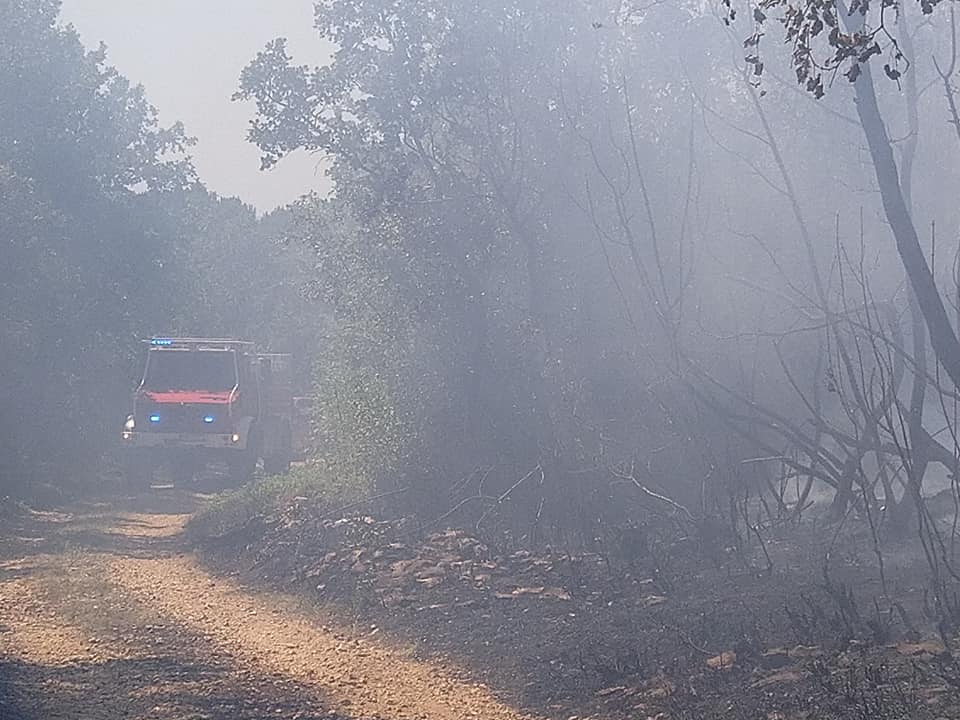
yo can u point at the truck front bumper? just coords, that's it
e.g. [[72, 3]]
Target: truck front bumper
[[212, 441]]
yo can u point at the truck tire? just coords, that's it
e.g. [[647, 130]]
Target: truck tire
[[276, 465], [242, 465], [183, 470], [137, 471]]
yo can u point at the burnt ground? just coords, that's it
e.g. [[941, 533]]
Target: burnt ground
[[661, 625]]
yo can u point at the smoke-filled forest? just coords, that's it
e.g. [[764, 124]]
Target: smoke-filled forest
[[625, 343]]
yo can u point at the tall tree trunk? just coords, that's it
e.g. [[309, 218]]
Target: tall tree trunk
[[918, 468], [943, 337]]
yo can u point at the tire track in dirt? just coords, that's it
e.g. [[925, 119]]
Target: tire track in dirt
[[108, 618]]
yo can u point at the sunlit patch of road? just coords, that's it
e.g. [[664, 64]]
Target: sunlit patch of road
[[359, 675]]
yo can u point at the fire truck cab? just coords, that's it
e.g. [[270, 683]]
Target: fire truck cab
[[207, 400]]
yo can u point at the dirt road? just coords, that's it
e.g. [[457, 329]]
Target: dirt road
[[105, 614]]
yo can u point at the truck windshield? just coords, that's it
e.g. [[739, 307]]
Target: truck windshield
[[211, 370]]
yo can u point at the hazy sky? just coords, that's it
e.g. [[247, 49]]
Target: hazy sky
[[189, 54]]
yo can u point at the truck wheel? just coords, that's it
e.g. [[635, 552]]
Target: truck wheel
[[276, 465], [182, 471], [242, 467], [137, 472], [243, 463]]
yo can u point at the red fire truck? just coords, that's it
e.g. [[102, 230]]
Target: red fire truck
[[207, 400]]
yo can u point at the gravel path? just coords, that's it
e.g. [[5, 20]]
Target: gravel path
[[105, 615]]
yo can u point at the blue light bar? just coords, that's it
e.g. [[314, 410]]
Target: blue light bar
[[154, 418], [208, 419], [161, 341]]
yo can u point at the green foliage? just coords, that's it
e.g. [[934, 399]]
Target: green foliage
[[315, 483], [240, 277], [72, 121], [360, 423], [87, 258]]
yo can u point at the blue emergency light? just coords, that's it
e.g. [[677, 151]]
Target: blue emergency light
[[154, 418], [161, 341], [208, 419]]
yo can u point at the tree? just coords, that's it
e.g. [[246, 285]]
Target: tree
[[853, 37], [86, 262]]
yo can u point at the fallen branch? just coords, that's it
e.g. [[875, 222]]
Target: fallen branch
[[632, 478], [508, 491]]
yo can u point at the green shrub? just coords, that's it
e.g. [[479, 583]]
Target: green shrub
[[265, 496]]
